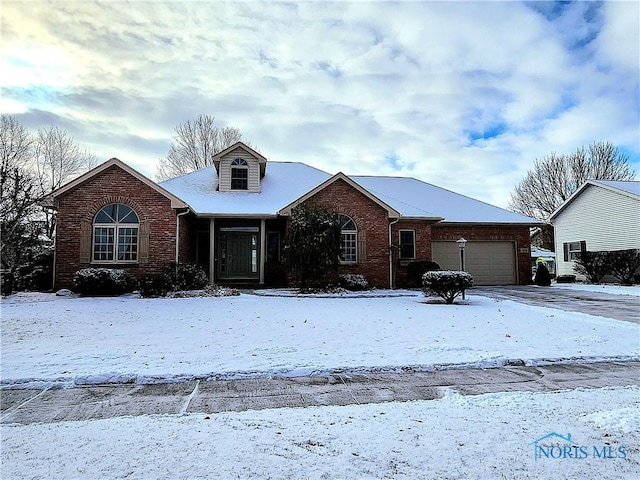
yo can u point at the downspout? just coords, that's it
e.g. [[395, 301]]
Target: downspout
[[391, 283], [178, 233]]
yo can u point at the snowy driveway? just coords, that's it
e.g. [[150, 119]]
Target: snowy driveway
[[570, 298]]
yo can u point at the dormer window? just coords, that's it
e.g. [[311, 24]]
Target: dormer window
[[239, 174]]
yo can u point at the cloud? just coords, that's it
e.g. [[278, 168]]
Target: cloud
[[465, 95]]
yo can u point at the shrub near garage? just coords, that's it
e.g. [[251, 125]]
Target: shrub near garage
[[447, 284]]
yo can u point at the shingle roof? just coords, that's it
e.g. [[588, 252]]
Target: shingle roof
[[285, 182], [415, 198]]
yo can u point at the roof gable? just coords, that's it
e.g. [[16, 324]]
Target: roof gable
[[629, 189], [217, 158], [391, 212], [76, 183]]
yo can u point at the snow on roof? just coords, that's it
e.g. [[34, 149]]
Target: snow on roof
[[415, 198], [629, 187], [286, 182], [283, 183]]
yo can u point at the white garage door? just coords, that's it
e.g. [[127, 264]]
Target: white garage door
[[490, 263]]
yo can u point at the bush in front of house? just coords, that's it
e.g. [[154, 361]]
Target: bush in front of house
[[593, 265], [37, 274], [185, 276], [353, 282], [152, 286], [625, 265], [622, 264], [415, 271], [566, 279], [312, 245], [101, 282], [447, 284]]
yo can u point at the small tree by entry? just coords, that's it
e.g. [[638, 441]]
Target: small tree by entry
[[312, 245]]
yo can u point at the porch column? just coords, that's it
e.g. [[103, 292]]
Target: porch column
[[263, 248], [212, 251]]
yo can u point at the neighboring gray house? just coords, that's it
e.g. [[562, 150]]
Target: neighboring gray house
[[600, 216]]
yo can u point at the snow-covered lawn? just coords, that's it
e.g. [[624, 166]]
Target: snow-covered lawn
[[476, 437], [81, 340], [92, 340]]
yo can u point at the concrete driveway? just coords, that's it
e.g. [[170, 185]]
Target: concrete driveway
[[620, 307]]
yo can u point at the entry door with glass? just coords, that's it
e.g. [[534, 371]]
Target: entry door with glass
[[238, 254]]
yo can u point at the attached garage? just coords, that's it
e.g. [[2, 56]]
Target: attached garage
[[490, 262]]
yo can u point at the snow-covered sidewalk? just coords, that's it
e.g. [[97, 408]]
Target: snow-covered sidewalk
[[473, 437], [93, 340]]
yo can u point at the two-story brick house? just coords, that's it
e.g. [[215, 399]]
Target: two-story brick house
[[232, 217]]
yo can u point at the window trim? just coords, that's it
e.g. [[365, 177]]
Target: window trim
[[573, 249], [350, 235], [413, 244], [244, 178], [116, 228]]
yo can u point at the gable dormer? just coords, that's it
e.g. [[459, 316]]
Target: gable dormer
[[240, 169]]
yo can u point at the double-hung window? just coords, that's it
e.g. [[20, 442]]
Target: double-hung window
[[115, 235], [407, 244], [348, 239], [239, 174], [572, 249]]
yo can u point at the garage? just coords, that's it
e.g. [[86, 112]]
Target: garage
[[490, 263]]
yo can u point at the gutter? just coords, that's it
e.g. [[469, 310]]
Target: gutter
[[391, 285]]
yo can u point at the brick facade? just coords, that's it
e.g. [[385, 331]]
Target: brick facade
[[79, 206], [372, 222], [518, 234]]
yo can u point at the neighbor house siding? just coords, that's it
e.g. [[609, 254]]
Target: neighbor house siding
[[225, 170], [605, 220], [76, 211]]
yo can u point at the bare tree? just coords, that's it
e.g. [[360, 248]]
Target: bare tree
[[194, 145], [57, 158], [554, 178], [31, 167], [18, 192]]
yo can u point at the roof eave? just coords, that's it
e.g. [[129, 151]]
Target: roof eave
[[73, 184]]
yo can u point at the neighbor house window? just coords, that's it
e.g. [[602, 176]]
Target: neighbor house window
[[572, 249], [239, 174], [115, 234], [348, 240], [407, 244]]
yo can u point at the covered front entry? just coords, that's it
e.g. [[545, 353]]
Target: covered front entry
[[238, 253]]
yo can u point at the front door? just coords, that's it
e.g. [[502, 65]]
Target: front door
[[239, 254]]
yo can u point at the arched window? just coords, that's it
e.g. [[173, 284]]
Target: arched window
[[239, 174], [115, 234], [348, 239]]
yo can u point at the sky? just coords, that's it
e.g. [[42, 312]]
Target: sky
[[464, 95]]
